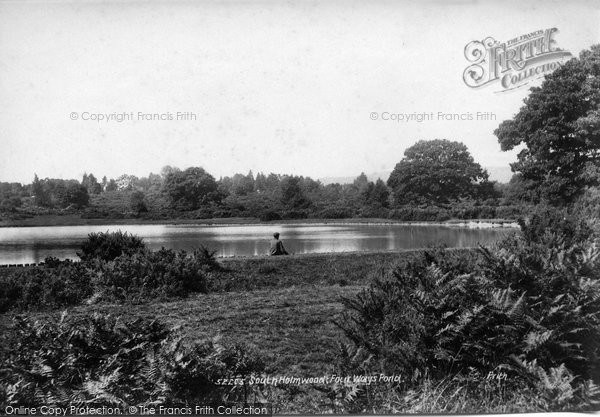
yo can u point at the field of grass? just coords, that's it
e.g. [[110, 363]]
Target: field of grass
[[291, 327], [283, 305]]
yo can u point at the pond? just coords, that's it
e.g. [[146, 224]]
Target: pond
[[20, 245]]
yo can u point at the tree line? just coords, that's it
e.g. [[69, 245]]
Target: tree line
[[558, 128], [433, 173]]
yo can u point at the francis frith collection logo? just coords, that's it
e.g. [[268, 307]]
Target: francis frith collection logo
[[514, 63]]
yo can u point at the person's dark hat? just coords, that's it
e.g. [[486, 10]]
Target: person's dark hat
[[276, 234]]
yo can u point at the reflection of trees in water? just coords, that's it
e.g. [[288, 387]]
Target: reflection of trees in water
[[297, 240], [423, 236], [391, 240], [38, 253]]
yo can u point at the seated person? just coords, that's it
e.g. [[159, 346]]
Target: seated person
[[277, 246]]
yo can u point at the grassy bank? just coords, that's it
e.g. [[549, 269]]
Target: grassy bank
[[77, 220], [263, 272], [291, 326], [283, 307]]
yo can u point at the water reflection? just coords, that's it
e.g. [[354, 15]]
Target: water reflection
[[33, 244]]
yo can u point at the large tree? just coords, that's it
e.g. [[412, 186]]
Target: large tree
[[52, 192], [559, 125], [91, 184], [137, 202], [436, 171], [242, 184], [39, 192], [377, 194], [291, 194], [191, 189]]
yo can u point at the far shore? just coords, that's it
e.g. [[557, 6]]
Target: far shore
[[76, 220]]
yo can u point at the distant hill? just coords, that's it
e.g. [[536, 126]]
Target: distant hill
[[384, 175], [497, 173]]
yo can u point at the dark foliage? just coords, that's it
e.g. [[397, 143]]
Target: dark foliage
[[138, 202], [59, 193], [10, 203], [190, 189], [431, 213], [459, 211], [136, 275], [159, 274], [269, 215], [436, 171], [335, 213], [109, 245], [195, 194], [106, 360], [559, 126], [56, 284], [530, 307]]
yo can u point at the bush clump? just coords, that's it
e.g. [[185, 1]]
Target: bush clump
[[428, 213], [105, 360], [155, 274], [55, 284], [136, 275], [269, 215], [109, 246], [335, 213], [529, 306]]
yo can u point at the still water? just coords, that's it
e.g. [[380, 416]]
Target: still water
[[33, 244]]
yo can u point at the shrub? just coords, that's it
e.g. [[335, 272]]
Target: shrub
[[267, 216], [56, 284], [427, 213], [394, 318], [222, 213], [544, 223], [294, 214], [470, 211], [10, 204], [137, 202], [510, 212], [532, 299], [11, 291], [464, 211], [373, 212], [141, 276], [336, 213], [53, 262], [106, 360], [206, 258], [110, 245], [160, 274]]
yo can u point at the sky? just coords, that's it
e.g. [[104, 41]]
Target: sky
[[261, 85]]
